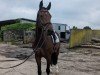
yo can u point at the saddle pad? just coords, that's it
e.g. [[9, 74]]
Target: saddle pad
[[57, 38]]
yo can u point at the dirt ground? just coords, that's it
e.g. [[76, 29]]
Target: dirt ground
[[77, 61]]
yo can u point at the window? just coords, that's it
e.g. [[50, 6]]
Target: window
[[62, 35], [58, 27]]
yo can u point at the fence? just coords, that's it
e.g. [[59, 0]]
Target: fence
[[19, 36], [29, 36], [80, 36], [96, 34], [13, 35]]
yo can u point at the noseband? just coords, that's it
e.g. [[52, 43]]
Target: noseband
[[44, 26]]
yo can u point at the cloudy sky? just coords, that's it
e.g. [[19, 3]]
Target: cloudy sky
[[78, 13]]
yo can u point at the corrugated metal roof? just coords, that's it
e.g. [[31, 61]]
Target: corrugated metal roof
[[12, 21]]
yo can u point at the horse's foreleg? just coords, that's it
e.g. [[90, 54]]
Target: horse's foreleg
[[48, 66], [38, 60]]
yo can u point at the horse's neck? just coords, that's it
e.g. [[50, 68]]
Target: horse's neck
[[38, 31]]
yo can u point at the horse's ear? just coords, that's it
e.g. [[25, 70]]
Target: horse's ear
[[41, 5], [49, 6]]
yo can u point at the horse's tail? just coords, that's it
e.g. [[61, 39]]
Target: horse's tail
[[54, 58]]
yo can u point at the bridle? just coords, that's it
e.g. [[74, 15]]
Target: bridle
[[44, 29], [43, 25]]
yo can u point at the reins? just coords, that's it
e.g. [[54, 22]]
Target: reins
[[32, 51]]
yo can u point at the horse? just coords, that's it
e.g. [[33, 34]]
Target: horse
[[46, 47]]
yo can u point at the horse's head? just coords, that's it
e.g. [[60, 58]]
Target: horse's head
[[43, 15]]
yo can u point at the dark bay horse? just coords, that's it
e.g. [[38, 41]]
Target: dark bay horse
[[45, 46]]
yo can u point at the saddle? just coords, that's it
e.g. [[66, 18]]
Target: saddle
[[55, 38]]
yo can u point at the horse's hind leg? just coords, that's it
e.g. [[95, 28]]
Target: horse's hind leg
[[38, 60], [48, 66]]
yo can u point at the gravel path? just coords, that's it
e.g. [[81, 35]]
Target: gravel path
[[78, 61]]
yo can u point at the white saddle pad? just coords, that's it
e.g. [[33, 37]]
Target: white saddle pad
[[57, 38]]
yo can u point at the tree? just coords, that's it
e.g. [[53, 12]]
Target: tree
[[86, 27], [74, 27]]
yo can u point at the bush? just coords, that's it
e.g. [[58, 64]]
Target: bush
[[19, 26], [74, 27], [87, 27]]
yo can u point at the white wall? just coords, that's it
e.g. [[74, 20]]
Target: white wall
[[63, 28]]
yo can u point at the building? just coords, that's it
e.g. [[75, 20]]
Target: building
[[63, 30]]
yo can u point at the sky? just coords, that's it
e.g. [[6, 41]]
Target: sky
[[79, 13]]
